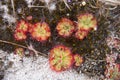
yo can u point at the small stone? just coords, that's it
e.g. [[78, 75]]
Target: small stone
[[68, 14], [83, 3]]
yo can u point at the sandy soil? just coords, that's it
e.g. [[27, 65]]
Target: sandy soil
[[36, 69]]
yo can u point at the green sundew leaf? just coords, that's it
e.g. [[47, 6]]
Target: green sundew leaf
[[55, 61]]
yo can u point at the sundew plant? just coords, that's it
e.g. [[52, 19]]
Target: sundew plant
[[71, 34]]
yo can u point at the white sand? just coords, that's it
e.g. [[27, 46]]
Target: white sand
[[38, 69]]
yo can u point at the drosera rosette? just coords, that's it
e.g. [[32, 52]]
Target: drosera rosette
[[113, 72], [22, 26], [19, 35], [20, 52], [41, 31], [81, 34], [65, 27], [21, 30], [86, 22], [60, 58], [78, 60]]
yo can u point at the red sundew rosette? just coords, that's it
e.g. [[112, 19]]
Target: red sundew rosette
[[19, 51], [60, 58], [41, 32], [78, 60], [112, 72], [81, 34], [116, 73], [19, 35], [65, 27], [22, 26], [86, 22]]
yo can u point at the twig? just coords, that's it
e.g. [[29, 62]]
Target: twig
[[7, 42], [13, 43]]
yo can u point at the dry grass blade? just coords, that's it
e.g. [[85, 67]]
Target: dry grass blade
[[67, 5], [36, 6], [112, 2], [13, 6]]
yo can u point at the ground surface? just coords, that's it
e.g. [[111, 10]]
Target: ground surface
[[94, 48], [36, 69]]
